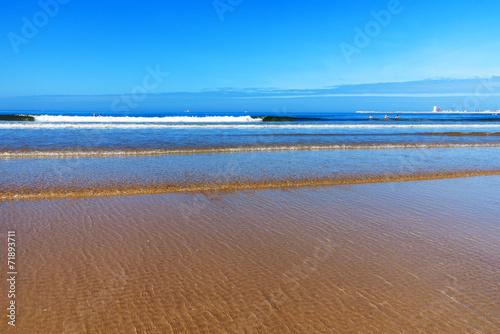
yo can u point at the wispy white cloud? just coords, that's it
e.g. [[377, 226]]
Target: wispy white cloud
[[451, 92], [362, 95]]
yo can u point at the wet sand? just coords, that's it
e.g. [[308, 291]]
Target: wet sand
[[412, 257], [227, 184]]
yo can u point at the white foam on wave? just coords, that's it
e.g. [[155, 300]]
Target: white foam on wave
[[250, 149], [127, 119], [134, 125]]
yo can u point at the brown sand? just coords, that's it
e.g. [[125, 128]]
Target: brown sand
[[409, 257]]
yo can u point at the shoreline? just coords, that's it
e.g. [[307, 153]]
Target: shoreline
[[26, 194], [251, 149]]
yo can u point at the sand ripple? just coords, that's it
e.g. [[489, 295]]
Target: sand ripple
[[413, 257]]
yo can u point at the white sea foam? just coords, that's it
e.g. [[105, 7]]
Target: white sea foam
[[145, 152], [126, 119], [260, 125]]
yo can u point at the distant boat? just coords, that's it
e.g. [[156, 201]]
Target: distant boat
[[186, 110]]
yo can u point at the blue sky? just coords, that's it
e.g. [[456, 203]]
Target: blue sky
[[98, 50]]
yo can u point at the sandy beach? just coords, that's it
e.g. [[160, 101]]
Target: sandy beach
[[225, 166], [413, 257]]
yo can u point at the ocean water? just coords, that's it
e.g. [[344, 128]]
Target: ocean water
[[139, 133], [67, 151]]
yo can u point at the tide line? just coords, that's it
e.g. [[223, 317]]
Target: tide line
[[248, 149], [125, 190]]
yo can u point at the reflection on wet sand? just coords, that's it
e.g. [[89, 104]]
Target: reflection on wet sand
[[386, 257]]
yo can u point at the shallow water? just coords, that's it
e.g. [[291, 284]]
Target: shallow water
[[42, 177], [413, 257], [55, 155]]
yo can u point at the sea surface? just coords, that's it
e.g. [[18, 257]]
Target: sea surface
[[74, 152]]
